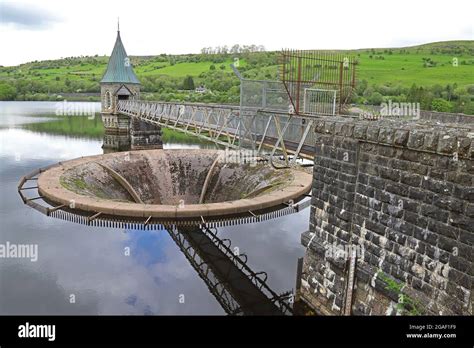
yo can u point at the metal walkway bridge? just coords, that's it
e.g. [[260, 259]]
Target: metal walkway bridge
[[262, 130], [273, 117]]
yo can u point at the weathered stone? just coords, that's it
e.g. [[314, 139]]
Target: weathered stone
[[448, 203], [434, 212], [470, 210], [408, 199], [372, 133], [430, 142], [401, 137], [410, 179], [441, 187], [415, 140], [348, 130], [386, 136], [437, 173], [463, 222], [329, 127], [390, 174], [463, 179], [360, 131], [376, 182], [319, 126], [447, 144], [397, 189]]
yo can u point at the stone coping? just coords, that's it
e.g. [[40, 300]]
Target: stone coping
[[414, 135], [50, 188]]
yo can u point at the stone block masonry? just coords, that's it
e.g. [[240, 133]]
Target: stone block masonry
[[144, 135], [402, 193]]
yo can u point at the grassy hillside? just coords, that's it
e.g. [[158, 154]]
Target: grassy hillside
[[92, 68], [408, 69], [441, 70], [406, 66]]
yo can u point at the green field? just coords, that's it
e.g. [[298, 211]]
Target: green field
[[182, 69], [406, 69], [430, 67], [402, 66]]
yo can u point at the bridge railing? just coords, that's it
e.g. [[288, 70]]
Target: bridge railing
[[217, 123], [263, 129]]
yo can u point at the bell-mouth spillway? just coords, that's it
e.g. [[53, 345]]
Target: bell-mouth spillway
[[169, 185]]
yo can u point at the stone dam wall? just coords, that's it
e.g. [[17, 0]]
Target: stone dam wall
[[399, 197]]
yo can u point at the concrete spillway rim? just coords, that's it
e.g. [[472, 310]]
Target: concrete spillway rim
[[49, 186]]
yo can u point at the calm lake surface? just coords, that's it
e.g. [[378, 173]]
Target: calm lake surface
[[88, 264]]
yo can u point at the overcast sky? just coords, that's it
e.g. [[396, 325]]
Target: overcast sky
[[50, 29]]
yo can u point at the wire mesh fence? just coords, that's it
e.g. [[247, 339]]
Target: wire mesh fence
[[319, 101]]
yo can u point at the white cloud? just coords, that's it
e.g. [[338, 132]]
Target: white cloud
[[20, 16], [185, 26]]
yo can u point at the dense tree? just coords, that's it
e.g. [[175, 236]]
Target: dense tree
[[7, 91], [188, 83], [375, 98]]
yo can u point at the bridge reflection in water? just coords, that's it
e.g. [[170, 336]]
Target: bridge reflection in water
[[237, 288]]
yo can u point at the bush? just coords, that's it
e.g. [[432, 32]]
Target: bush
[[7, 91], [375, 98], [441, 105], [470, 89], [469, 108]]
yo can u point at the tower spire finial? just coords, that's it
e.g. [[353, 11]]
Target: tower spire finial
[[118, 23]]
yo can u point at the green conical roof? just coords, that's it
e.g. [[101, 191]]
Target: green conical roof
[[119, 69]]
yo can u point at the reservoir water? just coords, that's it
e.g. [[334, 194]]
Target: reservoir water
[[87, 270]]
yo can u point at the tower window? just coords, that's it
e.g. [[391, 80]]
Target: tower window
[[108, 100]]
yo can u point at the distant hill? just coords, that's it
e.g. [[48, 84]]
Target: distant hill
[[449, 47], [460, 47]]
